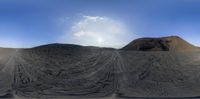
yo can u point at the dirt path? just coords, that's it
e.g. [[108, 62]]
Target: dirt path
[[99, 74]]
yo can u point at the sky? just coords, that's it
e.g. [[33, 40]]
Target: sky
[[104, 23]]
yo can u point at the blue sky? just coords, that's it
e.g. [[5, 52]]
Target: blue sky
[[28, 23]]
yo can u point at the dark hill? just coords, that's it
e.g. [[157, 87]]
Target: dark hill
[[171, 43]]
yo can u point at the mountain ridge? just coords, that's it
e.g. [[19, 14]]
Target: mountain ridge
[[168, 43]]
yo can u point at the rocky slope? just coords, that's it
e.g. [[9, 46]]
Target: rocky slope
[[171, 43]]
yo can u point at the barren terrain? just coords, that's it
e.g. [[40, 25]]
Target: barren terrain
[[72, 71]]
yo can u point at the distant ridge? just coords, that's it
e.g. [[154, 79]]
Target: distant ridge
[[170, 43]]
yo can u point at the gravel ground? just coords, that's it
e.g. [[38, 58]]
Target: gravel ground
[[68, 71]]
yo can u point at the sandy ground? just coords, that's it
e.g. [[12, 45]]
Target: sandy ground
[[97, 73]]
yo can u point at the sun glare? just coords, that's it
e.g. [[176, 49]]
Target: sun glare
[[99, 31], [100, 40]]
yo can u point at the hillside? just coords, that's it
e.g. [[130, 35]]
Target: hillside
[[171, 43]]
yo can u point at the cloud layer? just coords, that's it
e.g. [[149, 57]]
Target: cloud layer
[[98, 31]]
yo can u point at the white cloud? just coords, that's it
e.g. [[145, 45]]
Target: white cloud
[[94, 18], [98, 31]]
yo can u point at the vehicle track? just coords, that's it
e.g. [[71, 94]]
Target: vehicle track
[[100, 73]]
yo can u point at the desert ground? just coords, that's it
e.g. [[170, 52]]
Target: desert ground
[[71, 71]]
